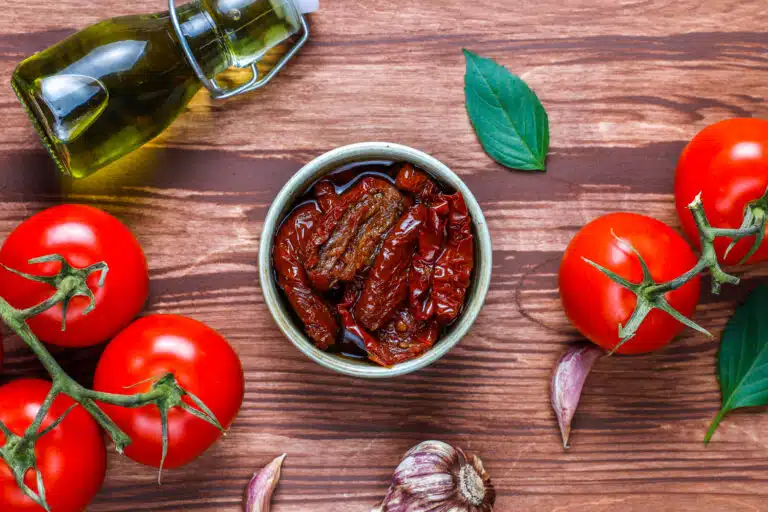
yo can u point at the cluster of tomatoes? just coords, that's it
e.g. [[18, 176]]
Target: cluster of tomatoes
[[727, 163], [72, 457]]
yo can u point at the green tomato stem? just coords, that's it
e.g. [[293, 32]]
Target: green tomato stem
[[678, 282], [34, 427], [708, 259], [755, 217], [61, 382], [19, 452]]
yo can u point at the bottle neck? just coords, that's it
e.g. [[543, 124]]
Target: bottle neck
[[224, 33], [200, 32]]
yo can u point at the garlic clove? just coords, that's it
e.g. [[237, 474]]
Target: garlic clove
[[262, 485], [436, 477], [568, 380]]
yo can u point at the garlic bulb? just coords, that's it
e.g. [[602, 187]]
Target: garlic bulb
[[436, 477]]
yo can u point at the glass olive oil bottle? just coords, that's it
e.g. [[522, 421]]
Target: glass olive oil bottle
[[113, 86]]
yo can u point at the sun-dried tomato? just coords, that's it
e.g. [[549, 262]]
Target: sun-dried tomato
[[403, 338], [349, 323], [416, 182], [431, 240], [317, 316], [325, 194], [387, 285], [453, 267], [345, 238]]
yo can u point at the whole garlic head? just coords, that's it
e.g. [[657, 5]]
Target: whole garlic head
[[436, 477]]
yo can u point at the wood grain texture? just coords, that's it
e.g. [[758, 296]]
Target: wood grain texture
[[625, 83]]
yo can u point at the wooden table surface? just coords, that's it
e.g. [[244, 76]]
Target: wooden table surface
[[626, 84]]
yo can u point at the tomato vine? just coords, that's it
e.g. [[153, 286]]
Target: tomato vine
[[19, 451], [650, 294]]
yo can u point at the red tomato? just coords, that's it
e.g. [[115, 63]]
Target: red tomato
[[728, 163], [72, 457], [82, 235], [596, 305], [202, 362]]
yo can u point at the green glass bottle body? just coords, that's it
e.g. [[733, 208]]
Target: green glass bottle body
[[115, 85]]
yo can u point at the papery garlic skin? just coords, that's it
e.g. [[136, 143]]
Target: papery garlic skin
[[436, 477], [567, 383], [258, 495]]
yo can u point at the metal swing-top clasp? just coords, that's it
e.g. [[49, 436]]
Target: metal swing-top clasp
[[255, 82]]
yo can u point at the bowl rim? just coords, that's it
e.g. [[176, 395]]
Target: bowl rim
[[299, 183]]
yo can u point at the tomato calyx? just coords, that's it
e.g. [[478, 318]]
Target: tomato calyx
[[169, 395], [70, 282], [650, 296], [19, 451]]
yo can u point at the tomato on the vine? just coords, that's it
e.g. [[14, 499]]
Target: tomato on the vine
[[203, 363], [596, 305], [83, 236], [72, 457], [727, 163]]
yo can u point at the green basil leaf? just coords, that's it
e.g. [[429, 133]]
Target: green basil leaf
[[508, 118], [743, 357]]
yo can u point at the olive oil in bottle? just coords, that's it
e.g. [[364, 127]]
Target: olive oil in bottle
[[114, 86]]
